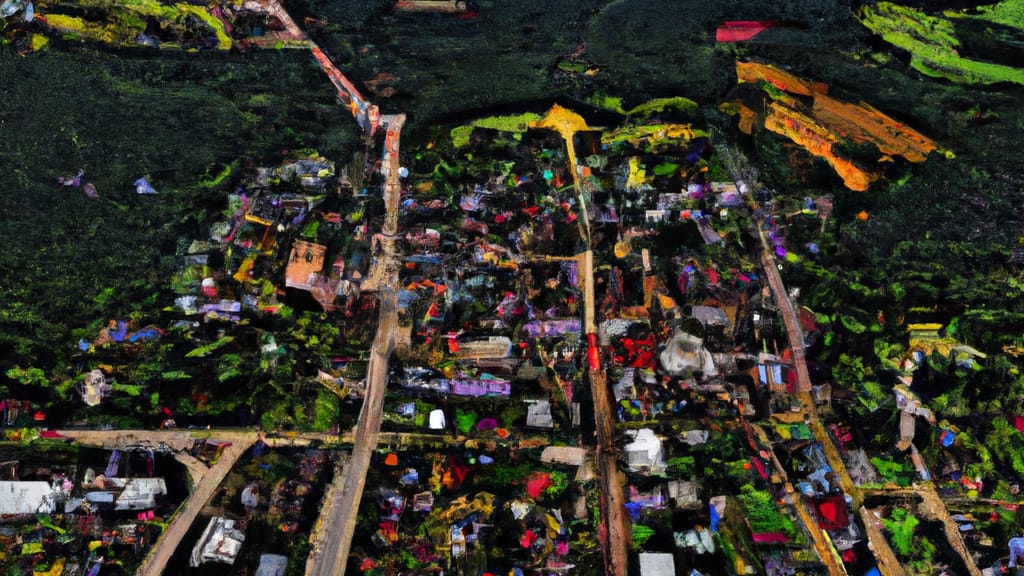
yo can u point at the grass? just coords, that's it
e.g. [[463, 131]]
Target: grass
[[932, 44]]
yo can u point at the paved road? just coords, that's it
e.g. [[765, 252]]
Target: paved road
[[618, 531]]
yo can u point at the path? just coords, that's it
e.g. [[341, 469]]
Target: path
[[888, 564], [931, 506]]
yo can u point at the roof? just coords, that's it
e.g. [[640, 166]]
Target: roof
[[538, 415], [711, 316], [657, 564], [685, 493], [306, 259], [645, 449], [220, 542], [25, 497], [570, 455], [272, 565], [140, 493]]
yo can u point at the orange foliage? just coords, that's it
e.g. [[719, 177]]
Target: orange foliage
[[754, 73], [817, 140], [863, 123], [747, 117], [829, 121]]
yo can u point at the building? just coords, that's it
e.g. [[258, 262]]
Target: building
[[306, 261], [26, 498], [657, 564], [220, 542], [645, 453]]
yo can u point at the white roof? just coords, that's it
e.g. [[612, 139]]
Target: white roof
[[25, 497], [657, 564], [140, 493], [437, 420], [571, 455], [538, 415], [220, 542], [272, 565], [645, 449]]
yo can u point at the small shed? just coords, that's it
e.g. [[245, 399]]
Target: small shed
[[538, 415], [657, 564], [685, 494], [567, 455], [437, 420]]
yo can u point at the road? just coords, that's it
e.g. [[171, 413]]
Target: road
[[340, 513], [205, 481], [615, 523], [931, 506], [887, 562]]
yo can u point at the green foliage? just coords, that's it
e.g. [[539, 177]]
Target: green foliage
[[888, 354], [512, 414], [205, 350], [326, 411], [28, 376], [932, 44], [1006, 444], [891, 470], [901, 526], [514, 123], [229, 366], [132, 390], [848, 371], [852, 324], [175, 375], [763, 514], [641, 534], [680, 466], [559, 482], [465, 420], [1008, 13]]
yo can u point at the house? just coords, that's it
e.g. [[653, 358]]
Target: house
[[272, 565], [94, 388], [220, 542], [311, 172], [437, 420], [538, 414], [685, 354], [566, 455], [711, 316], [26, 498], [487, 347], [139, 493], [645, 453], [657, 564], [306, 261], [684, 494]]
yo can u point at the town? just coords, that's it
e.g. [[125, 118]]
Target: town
[[572, 338]]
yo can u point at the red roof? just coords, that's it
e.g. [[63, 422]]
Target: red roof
[[741, 30]]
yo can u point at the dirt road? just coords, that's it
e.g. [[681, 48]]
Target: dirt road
[[341, 511]]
